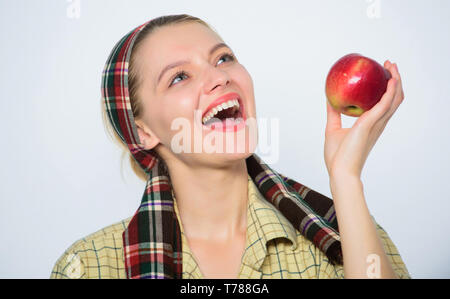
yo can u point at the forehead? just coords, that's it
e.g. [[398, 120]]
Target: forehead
[[181, 35], [174, 42]]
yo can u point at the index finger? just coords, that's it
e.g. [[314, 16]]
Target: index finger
[[333, 118]]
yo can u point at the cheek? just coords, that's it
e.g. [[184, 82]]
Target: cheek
[[173, 109], [241, 75], [245, 83], [184, 105], [180, 104], [177, 104]]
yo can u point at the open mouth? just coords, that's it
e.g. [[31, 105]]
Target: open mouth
[[232, 110]]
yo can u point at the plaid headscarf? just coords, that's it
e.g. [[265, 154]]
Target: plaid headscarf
[[152, 240]]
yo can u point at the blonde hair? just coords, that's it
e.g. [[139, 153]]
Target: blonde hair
[[134, 82]]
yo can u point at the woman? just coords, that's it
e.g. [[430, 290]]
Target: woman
[[224, 214]]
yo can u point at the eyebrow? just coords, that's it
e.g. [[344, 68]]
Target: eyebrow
[[175, 64]]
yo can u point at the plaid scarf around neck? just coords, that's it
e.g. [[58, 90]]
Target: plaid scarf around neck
[[152, 241]]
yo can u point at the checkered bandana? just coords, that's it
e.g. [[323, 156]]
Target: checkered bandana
[[152, 240]]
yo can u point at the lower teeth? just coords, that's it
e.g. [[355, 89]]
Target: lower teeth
[[223, 121]]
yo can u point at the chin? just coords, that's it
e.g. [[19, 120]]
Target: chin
[[225, 160], [236, 156], [229, 157]]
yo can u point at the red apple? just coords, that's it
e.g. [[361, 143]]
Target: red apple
[[355, 84]]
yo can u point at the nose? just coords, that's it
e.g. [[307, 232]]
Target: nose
[[215, 78]]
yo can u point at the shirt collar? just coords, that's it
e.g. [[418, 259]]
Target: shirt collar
[[264, 223]]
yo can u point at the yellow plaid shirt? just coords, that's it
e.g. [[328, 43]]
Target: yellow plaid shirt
[[274, 249]]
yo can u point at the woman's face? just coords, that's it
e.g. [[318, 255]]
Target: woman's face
[[175, 99]]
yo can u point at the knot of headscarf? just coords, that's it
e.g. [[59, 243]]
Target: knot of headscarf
[[152, 241]]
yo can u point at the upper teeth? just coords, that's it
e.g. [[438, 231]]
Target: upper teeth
[[223, 106]]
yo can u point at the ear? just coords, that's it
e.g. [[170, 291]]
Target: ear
[[147, 138]]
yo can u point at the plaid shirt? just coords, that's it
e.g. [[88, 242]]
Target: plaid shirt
[[274, 249]]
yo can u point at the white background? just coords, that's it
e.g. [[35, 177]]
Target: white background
[[60, 174]]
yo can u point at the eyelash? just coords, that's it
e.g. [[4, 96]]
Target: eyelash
[[182, 72]]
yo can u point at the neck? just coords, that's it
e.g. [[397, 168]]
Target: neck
[[212, 202]]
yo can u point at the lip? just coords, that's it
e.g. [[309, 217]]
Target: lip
[[226, 98]]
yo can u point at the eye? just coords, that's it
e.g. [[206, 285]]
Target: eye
[[182, 73], [177, 75], [229, 56]]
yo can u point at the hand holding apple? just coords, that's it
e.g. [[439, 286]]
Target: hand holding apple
[[355, 84], [346, 149]]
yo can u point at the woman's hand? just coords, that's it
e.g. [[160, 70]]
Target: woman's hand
[[346, 149]]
